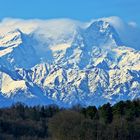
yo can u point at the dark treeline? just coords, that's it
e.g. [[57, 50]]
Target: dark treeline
[[118, 122]]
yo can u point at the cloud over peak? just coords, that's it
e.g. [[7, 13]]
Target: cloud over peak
[[128, 32]]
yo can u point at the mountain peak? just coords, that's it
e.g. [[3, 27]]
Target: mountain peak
[[102, 32], [9, 41]]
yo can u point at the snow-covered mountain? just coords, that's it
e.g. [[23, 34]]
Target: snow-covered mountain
[[66, 62]]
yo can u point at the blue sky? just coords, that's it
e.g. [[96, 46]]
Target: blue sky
[[83, 10]]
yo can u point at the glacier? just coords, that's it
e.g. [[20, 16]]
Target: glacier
[[68, 62]]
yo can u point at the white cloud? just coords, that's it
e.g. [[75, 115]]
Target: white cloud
[[133, 24], [56, 28]]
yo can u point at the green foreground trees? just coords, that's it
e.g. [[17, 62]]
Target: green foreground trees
[[118, 122]]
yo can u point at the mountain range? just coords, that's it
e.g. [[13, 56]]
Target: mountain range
[[68, 62]]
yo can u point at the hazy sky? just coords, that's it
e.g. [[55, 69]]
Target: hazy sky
[[83, 10]]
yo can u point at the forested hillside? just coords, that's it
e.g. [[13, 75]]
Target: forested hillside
[[118, 122]]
